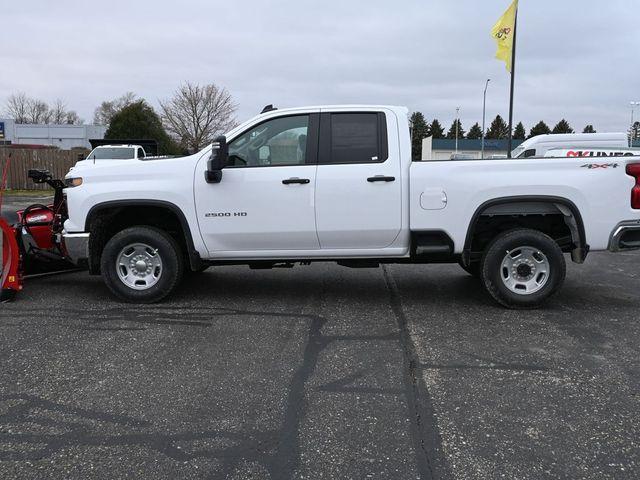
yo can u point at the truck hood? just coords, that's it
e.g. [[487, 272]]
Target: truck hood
[[144, 169]]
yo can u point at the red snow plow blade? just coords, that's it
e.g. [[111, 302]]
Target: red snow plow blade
[[11, 271], [33, 245]]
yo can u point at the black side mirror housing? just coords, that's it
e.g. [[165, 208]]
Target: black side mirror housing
[[218, 160]]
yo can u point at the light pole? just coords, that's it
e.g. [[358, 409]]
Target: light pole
[[484, 112], [633, 107], [457, 123]]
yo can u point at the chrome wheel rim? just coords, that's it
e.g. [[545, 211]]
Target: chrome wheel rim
[[525, 270], [139, 266]]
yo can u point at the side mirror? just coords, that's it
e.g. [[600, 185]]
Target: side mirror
[[218, 160]]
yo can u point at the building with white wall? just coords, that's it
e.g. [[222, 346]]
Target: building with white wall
[[65, 137], [445, 148]]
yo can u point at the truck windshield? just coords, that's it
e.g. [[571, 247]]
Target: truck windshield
[[112, 154], [517, 152]]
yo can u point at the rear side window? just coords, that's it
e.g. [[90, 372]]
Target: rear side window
[[353, 138]]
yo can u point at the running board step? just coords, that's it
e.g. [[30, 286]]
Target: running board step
[[435, 245], [433, 250]]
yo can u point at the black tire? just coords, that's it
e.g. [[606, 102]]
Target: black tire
[[472, 269], [168, 251], [492, 271]]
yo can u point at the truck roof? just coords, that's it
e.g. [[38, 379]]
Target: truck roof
[[398, 110]]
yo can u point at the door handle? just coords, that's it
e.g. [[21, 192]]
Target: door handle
[[381, 178], [302, 181]]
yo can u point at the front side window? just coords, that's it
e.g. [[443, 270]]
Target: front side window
[[281, 141]]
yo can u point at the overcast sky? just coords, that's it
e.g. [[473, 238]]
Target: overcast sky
[[578, 59]]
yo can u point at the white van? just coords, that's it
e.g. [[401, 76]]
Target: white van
[[538, 146]]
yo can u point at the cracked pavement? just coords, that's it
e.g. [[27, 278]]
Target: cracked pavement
[[401, 372]]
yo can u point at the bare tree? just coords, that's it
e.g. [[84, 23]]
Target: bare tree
[[196, 114], [107, 109], [72, 118], [17, 107], [38, 112], [58, 112], [24, 109]]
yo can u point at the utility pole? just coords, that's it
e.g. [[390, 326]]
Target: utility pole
[[457, 123], [484, 114], [513, 80]]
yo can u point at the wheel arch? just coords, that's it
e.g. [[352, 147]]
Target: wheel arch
[[573, 220], [118, 206]]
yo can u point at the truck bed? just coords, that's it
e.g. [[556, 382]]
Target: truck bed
[[448, 194]]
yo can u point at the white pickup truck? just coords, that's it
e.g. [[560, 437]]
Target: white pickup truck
[[116, 152], [336, 183]]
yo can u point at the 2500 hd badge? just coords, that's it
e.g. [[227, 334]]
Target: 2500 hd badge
[[225, 214]]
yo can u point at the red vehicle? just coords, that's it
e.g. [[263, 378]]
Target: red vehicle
[[31, 239]]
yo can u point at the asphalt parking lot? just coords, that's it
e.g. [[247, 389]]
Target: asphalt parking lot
[[321, 371]]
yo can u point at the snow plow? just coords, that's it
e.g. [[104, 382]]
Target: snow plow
[[31, 240]]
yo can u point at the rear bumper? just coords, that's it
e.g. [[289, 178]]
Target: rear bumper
[[626, 236], [77, 246]]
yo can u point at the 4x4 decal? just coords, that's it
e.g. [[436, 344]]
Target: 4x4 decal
[[592, 166]]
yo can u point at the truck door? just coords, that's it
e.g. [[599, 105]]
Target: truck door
[[358, 184], [265, 201]]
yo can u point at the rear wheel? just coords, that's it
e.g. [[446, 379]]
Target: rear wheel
[[523, 268], [142, 265]]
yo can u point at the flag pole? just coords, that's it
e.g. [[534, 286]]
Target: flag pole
[[513, 77]]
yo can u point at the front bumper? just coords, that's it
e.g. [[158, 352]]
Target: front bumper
[[77, 246], [626, 236]]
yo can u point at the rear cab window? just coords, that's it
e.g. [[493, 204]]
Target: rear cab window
[[353, 137]]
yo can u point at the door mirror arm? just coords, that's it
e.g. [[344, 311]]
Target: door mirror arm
[[217, 161]]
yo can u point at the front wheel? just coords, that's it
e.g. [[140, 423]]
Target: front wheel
[[523, 268], [142, 264]]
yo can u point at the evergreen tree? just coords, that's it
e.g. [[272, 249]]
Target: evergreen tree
[[435, 129], [139, 121], [452, 131], [634, 133], [475, 132], [519, 133], [419, 131], [498, 129], [589, 129], [562, 127], [541, 128]]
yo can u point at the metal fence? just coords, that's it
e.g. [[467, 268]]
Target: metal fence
[[21, 160]]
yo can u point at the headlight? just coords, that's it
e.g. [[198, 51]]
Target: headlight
[[73, 182]]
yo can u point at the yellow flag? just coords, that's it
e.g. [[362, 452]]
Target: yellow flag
[[503, 32]]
